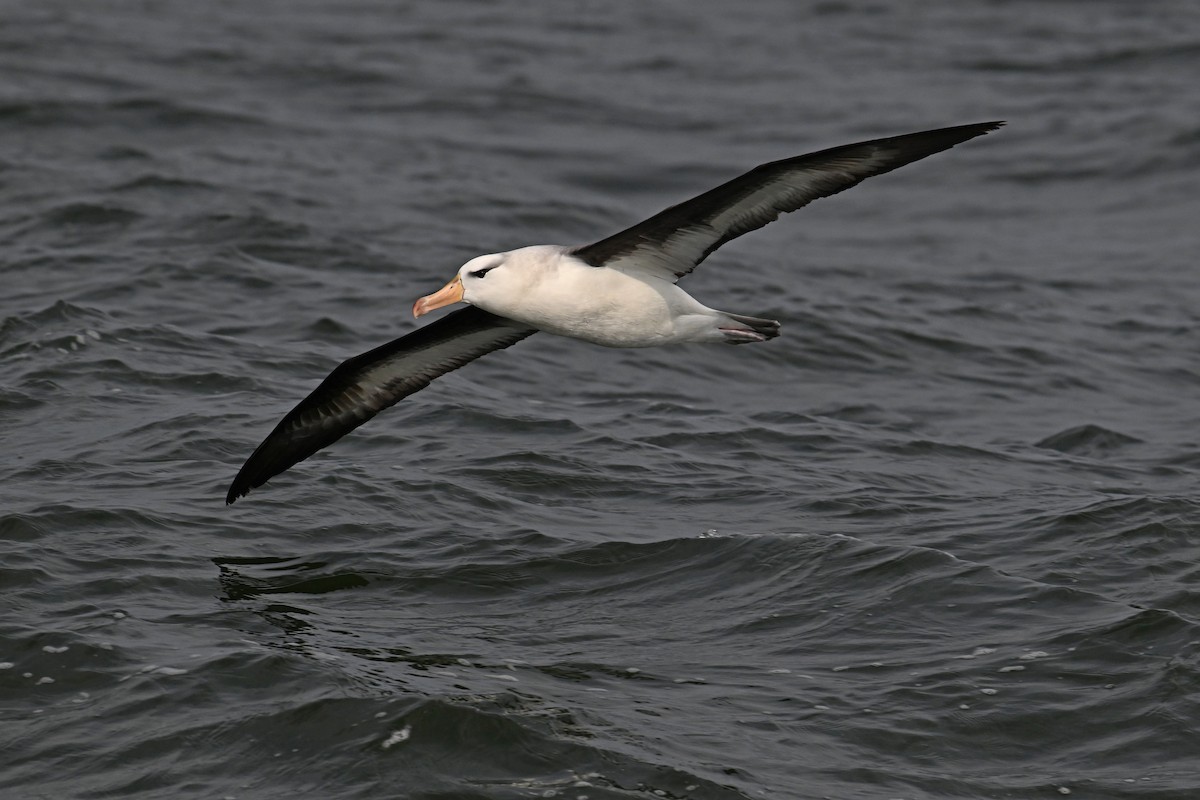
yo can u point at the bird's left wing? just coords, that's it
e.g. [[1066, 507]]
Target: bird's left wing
[[363, 386], [671, 243]]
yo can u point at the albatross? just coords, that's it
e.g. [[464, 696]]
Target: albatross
[[618, 292]]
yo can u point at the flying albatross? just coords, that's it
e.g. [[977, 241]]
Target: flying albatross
[[618, 292]]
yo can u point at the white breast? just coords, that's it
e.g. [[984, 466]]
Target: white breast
[[565, 296]]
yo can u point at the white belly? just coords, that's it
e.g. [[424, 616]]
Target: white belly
[[545, 287], [610, 308]]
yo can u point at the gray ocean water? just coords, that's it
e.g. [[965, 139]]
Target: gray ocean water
[[940, 540]]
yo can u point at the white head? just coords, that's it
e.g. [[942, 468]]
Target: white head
[[496, 282]]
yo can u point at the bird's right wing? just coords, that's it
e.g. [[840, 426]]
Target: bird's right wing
[[670, 244], [363, 386]]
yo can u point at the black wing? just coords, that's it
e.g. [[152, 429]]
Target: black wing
[[363, 386], [671, 243]]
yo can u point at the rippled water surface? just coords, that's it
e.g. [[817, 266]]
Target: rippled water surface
[[940, 540]]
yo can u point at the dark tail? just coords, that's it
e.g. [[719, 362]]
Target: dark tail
[[764, 328]]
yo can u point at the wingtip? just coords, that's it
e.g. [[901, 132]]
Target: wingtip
[[974, 129], [240, 487]]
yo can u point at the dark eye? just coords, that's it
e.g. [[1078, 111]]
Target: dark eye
[[479, 273]]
